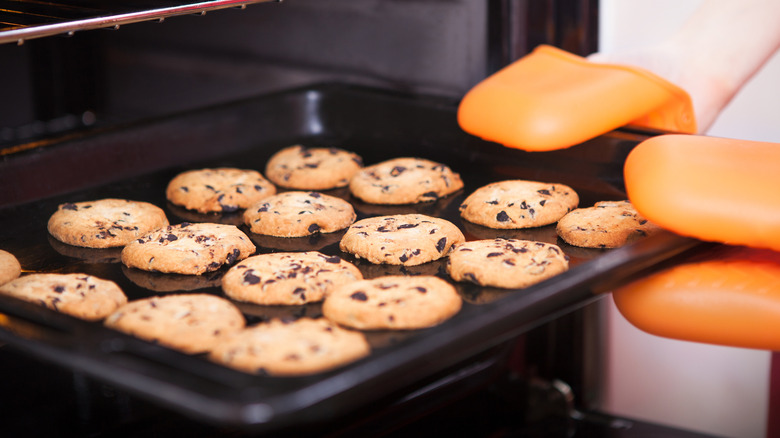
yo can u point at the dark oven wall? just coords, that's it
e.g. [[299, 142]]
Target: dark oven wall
[[437, 47]]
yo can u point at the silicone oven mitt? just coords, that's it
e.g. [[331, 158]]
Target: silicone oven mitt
[[729, 297], [713, 189], [719, 190], [551, 99]]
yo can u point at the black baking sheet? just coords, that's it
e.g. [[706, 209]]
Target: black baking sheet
[[136, 161]]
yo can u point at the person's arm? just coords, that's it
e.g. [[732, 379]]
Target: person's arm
[[717, 50]]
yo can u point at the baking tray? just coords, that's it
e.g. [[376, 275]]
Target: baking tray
[[137, 160]]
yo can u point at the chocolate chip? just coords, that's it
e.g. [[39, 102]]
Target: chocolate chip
[[542, 202], [69, 206], [441, 244], [421, 289], [402, 226], [397, 170], [359, 296], [543, 192], [59, 289], [469, 276], [315, 195], [502, 216], [495, 254], [258, 187], [233, 256], [299, 290], [403, 258], [433, 195], [333, 259], [313, 228]]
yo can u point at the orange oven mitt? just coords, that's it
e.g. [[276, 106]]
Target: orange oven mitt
[[551, 99], [719, 190]]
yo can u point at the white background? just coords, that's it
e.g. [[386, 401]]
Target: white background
[[711, 389]]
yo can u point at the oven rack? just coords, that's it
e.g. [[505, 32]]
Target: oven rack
[[22, 20]]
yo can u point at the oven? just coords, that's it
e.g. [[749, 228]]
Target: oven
[[105, 101]]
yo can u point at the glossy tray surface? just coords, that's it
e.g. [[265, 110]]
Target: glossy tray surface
[[136, 162]]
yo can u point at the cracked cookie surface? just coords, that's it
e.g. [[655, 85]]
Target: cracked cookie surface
[[287, 278], [187, 248], [506, 263], [405, 239], [304, 168], [515, 204], [104, 223], [291, 348], [218, 190], [393, 302], [608, 224], [404, 181], [80, 295], [191, 323], [298, 214]]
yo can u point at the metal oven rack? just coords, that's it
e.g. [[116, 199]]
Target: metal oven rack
[[22, 20]]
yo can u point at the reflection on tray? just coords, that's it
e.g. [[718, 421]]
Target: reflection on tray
[[233, 218], [315, 242], [371, 270], [89, 255], [256, 313], [473, 294], [435, 208], [546, 234], [160, 282], [387, 338]]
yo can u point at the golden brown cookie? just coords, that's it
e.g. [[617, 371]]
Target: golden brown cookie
[[517, 204], [291, 348], [191, 323], [404, 181], [105, 223], [297, 214], [79, 295], [506, 263], [287, 278], [221, 189], [393, 302], [405, 239], [188, 249], [608, 224], [9, 267], [303, 168]]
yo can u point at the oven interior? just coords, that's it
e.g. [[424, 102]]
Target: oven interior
[[121, 108]]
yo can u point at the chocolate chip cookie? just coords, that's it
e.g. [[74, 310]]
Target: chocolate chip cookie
[[105, 223], [406, 239], [404, 181], [393, 302], [297, 214], [506, 263], [191, 323], [608, 224], [291, 348], [287, 278], [303, 168], [517, 204], [217, 190], [188, 249], [80, 295]]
